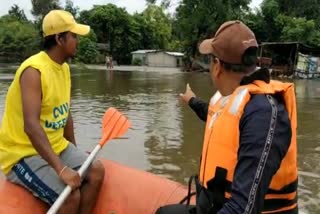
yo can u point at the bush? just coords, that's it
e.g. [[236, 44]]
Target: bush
[[137, 61], [87, 49], [101, 58]]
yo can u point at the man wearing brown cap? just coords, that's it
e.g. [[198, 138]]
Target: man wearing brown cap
[[249, 156], [37, 144]]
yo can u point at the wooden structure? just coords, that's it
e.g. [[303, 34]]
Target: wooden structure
[[285, 58]]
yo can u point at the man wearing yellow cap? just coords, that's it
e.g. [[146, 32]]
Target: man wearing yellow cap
[[249, 156], [37, 144]]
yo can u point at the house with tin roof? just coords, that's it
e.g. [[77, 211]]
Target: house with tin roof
[[157, 58]]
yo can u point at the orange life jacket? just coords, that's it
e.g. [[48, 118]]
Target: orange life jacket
[[221, 143]]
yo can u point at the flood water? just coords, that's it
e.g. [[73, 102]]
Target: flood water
[[166, 136]]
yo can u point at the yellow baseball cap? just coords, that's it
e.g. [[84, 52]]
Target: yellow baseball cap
[[58, 21]]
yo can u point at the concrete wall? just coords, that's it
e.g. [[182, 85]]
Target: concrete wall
[[161, 59]]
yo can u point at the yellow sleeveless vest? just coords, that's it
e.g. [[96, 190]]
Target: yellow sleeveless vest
[[56, 86], [221, 143]]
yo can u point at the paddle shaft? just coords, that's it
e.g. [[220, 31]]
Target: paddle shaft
[[67, 190]]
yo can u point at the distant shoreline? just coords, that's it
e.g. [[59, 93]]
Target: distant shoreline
[[101, 67], [131, 68]]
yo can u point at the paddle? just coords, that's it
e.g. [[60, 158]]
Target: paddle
[[114, 124]]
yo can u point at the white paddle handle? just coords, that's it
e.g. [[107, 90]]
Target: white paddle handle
[[67, 190]]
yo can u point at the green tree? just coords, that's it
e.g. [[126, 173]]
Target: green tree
[[87, 49], [18, 40], [151, 1], [159, 24], [154, 28], [17, 12], [199, 19], [299, 30], [124, 33], [270, 11], [255, 21], [308, 9], [69, 6], [41, 7], [145, 36], [165, 4], [275, 23], [115, 27]]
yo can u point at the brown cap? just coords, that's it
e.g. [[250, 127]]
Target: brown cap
[[230, 42]]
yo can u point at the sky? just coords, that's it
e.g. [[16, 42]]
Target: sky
[[130, 5]]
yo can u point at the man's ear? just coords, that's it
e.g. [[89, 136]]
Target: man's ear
[[58, 39], [218, 68]]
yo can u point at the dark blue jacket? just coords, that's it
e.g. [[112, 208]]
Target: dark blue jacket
[[254, 126]]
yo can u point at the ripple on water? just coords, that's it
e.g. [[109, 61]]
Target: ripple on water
[[166, 136]]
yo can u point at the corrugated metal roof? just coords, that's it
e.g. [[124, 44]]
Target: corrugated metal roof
[[175, 53], [143, 51]]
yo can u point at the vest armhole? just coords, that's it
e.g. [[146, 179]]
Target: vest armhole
[[21, 72]]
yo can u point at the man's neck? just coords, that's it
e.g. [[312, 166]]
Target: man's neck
[[56, 56], [231, 84], [228, 90]]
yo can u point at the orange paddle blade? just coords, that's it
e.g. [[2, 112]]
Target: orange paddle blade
[[114, 125]]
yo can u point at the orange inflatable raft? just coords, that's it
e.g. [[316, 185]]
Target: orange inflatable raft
[[125, 191]]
